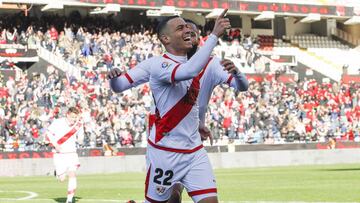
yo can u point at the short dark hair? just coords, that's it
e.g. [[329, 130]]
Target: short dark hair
[[73, 110], [162, 24]]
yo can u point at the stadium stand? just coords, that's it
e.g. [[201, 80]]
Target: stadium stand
[[271, 111]]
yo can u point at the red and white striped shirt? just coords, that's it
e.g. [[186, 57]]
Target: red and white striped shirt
[[63, 134]]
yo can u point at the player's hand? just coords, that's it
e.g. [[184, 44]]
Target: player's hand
[[221, 24], [205, 133], [229, 66], [114, 73]]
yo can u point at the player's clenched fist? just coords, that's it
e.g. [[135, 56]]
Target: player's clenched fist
[[229, 66], [114, 73], [221, 24]]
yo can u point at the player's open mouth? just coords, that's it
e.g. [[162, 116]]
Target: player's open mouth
[[186, 39]]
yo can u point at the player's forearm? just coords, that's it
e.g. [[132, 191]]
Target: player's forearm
[[240, 83], [202, 113], [119, 84], [197, 62]]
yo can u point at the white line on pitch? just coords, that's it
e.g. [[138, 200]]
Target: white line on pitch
[[31, 195]]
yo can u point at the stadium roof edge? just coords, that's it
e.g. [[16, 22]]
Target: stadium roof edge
[[100, 4], [45, 2], [232, 12], [311, 2]]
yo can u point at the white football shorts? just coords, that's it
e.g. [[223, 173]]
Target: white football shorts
[[65, 162], [165, 168]]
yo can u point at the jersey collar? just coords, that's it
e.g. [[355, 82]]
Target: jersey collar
[[179, 59]]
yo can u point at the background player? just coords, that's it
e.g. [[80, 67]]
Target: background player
[[62, 134]]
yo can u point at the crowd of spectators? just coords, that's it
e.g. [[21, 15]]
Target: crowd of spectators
[[270, 112], [274, 112]]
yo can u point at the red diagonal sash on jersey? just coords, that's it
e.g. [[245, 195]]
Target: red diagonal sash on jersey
[[178, 112], [152, 119], [72, 132]]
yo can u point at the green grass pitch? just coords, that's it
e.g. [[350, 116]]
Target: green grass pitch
[[327, 183]]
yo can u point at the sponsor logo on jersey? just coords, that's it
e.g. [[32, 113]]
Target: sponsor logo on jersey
[[165, 64]]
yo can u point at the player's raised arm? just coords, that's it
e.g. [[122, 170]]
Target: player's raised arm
[[120, 81], [198, 61], [221, 24]]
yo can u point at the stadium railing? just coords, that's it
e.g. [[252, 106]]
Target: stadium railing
[[59, 62]]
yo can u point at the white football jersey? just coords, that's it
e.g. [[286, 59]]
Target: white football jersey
[[167, 93], [214, 76], [60, 129]]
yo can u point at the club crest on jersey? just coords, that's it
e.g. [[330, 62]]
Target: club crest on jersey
[[165, 64], [160, 190]]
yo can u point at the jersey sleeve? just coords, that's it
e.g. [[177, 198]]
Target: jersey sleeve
[[136, 76], [51, 132], [172, 72], [192, 67], [80, 131], [219, 76], [239, 82], [202, 114], [165, 70]]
